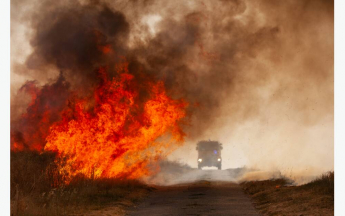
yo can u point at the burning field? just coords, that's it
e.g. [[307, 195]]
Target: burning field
[[103, 92], [111, 134], [107, 129]]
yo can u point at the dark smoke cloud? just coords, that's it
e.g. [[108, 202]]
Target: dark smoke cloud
[[71, 37]]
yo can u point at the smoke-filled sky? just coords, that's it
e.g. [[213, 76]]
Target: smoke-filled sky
[[258, 75]]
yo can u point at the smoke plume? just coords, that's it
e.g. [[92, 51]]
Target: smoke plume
[[258, 75]]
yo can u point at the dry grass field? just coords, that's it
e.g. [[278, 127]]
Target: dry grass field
[[37, 189], [279, 197]]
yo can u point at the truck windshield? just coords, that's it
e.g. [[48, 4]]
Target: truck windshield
[[209, 146]]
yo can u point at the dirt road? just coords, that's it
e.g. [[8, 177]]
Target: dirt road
[[203, 192]]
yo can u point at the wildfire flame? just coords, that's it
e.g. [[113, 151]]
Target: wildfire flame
[[115, 133]]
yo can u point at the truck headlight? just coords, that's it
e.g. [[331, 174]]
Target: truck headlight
[[200, 160], [219, 159]]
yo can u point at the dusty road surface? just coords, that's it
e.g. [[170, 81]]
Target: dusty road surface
[[201, 192]]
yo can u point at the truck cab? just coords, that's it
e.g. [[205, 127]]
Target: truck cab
[[209, 154]]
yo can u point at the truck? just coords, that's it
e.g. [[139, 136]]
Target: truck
[[209, 154]]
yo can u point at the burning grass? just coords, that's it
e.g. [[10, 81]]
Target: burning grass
[[35, 191], [279, 197], [122, 126], [88, 150]]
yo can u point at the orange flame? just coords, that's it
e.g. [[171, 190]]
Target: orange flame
[[31, 130], [117, 137]]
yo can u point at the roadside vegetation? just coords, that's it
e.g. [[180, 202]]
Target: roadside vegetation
[[37, 188], [279, 197]]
